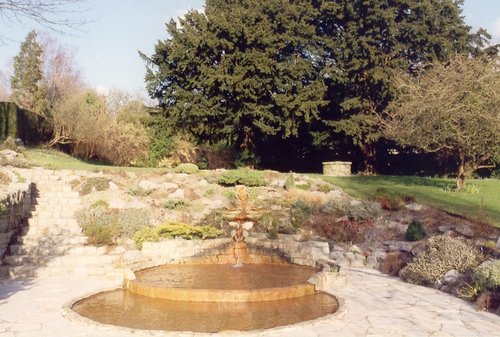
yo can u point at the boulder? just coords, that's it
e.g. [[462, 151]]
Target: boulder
[[371, 262], [399, 245], [177, 194], [465, 230], [9, 154], [147, 185], [355, 249], [445, 228], [498, 243], [452, 277], [413, 207]]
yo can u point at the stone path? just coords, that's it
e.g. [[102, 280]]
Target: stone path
[[373, 305]]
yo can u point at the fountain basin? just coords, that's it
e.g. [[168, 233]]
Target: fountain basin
[[223, 282]]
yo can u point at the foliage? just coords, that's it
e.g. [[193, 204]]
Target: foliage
[[389, 200], [186, 231], [297, 75], [360, 210], [187, 168], [247, 177], [84, 123], [26, 82], [174, 203], [289, 182], [340, 230], [100, 203], [442, 254], [325, 188], [139, 191], [146, 234], [453, 108], [104, 226], [97, 183], [487, 275], [415, 231]]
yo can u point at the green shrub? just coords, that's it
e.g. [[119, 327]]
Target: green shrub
[[325, 188], [362, 210], [187, 168], [103, 226], [304, 187], [174, 203], [415, 231], [487, 275], [146, 234], [247, 177], [20, 178], [442, 254], [289, 182], [100, 203], [389, 200], [139, 191], [300, 211], [272, 224], [188, 232], [97, 183]]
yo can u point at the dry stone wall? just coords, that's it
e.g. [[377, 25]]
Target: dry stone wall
[[16, 203]]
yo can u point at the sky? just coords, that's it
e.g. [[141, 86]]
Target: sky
[[106, 52]]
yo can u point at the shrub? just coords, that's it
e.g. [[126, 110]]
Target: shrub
[[415, 231], [103, 226], [300, 211], [273, 224], [139, 191], [289, 182], [146, 234], [174, 203], [97, 183], [442, 254], [187, 168], [362, 210], [247, 177], [341, 230], [100, 203], [188, 232], [388, 200], [325, 188], [487, 275], [305, 187]]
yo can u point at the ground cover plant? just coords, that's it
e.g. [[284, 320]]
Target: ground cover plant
[[483, 205]]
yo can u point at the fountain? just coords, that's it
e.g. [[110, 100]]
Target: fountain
[[232, 288]]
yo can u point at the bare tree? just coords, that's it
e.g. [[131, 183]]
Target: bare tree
[[454, 109], [55, 15]]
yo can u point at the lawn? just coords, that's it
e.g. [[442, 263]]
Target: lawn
[[483, 205], [57, 160]]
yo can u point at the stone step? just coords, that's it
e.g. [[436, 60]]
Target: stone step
[[61, 260], [55, 240], [30, 271]]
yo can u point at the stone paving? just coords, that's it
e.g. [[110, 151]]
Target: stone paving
[[372, 305]]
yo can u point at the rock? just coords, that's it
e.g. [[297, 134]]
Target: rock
[[413, 207], [451, 277], [178, 194], [132, 256], [117, 203], [399, 245], [334, 194], [202, 182], [355, 202], [371, 262], [148, 185], [169, 186], [402, 228], [498, 243], [445, 228], [355, 249], [9, 154], [113, 186], [465, 230], [136, 204], [337, 256]]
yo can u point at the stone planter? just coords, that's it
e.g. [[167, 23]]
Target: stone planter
[[337, 168]]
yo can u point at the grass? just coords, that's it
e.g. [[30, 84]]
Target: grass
[[483, 206], [56, 160]]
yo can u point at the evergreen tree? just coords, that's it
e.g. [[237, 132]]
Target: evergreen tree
[[26, 82]]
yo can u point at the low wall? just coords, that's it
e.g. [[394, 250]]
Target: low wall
[[16, 203], [286, 247], [337, 168]]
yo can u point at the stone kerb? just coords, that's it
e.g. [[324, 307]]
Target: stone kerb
[[16, 203]]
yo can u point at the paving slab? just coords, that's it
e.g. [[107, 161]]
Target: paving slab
[[372, 304]]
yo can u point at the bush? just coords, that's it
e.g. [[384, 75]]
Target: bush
[[341, 230], [103, 226], [415, 231], [139, 191], [187, 168], [487, 275], [289, 182], [174, 203], [442, 254], [188, 232], [97, 183], [100, 203], [247, 177], [362, 210], [388, 200], [146, 234], [325, 188]]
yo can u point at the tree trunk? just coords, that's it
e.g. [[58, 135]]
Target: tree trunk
[[368, 159], [462, 174]]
